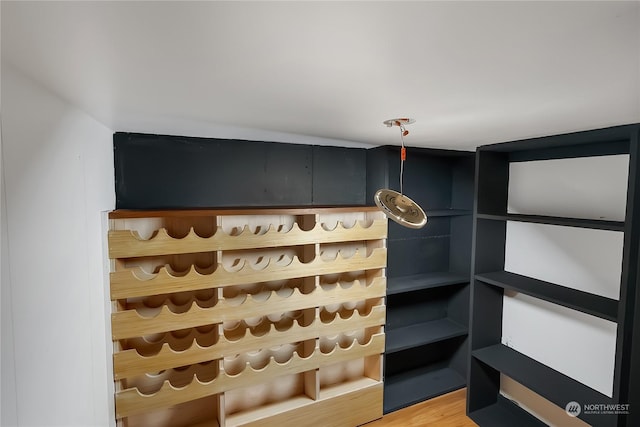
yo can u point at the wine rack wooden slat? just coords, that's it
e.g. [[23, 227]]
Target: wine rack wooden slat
[[128, 323], [136, 283], [129, 363], [128, 244]]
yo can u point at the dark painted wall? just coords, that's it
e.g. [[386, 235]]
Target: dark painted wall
[[163, 172]]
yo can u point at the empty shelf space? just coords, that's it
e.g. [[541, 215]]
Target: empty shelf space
[[335, 390], [422, 334], [448, 212], [556, 220], [504, 413], [595, 305], [541, 379], [397, 285], [417, 385], [264, 412]]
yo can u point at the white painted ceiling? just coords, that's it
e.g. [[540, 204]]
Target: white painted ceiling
[[470, 72]]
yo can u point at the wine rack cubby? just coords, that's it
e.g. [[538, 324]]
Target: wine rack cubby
[[248, 317]]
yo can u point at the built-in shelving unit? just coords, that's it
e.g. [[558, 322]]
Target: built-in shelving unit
[[489, 357], [428, 273], [254, 317]]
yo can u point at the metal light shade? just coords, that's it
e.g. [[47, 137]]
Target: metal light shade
[[396, 206], [400, 208]]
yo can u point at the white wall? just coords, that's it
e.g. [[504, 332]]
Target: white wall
[[577, 344], [578, 258], [7, 364], [58, 177], [584, 187]]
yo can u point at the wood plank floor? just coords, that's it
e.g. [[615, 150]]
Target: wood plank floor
[[447, 410]]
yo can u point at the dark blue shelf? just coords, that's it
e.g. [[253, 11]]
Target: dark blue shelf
[[505, 413], [417, 385], [597, 224], [448, 212], [595, 305], [422, 334], [554, 386], [416, 282]]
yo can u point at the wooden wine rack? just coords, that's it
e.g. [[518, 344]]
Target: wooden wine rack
[[252, 317]]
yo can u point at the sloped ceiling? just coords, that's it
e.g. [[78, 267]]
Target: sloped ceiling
[[470, 72]]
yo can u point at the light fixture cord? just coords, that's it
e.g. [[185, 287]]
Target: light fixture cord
[[402, 156]]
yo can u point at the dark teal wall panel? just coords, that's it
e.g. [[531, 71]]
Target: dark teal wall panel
[[164, 172]]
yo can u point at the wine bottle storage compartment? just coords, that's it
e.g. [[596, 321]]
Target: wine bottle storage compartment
[[350, 374], [241, 317], [255, 397], [200, 412]]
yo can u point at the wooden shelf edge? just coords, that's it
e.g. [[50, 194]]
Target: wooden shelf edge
[[268, 410], [284, 210], [364, 405], [340, 389]]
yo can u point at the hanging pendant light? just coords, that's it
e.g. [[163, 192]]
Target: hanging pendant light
[[396, 206]]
